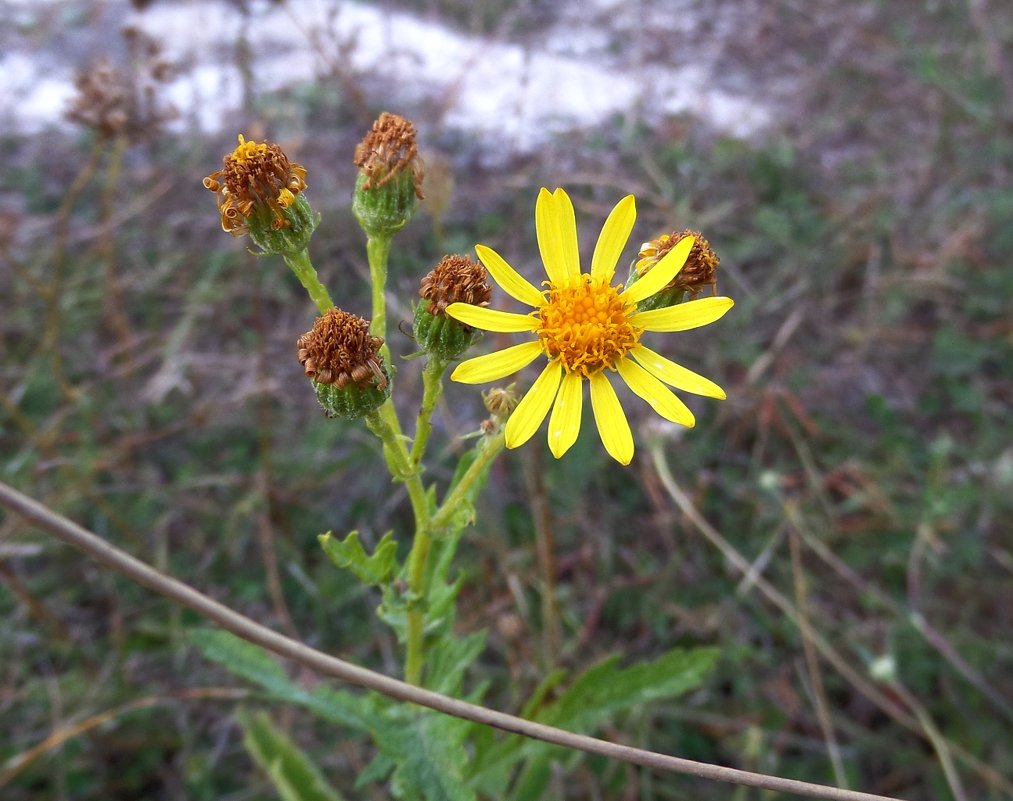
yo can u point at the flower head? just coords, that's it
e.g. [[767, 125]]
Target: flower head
[[456, 279], [389, 185], [587, 328], [343, 361], [259, 192], [700, 269]]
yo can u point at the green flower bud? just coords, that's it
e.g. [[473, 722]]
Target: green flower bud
[[344, 364], [389, 185], [456, 279]]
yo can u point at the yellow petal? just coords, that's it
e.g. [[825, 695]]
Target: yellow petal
[[662, 273], [564, 424], [496, 365], [613, 238], [490, 319], [608, 415], [528, 416], [507, 277], [550, 244], [675, 374], [566, 221], [655, 393], [692, 314]]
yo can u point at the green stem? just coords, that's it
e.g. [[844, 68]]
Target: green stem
[[416, 606], [490, 450], [432, 389], [378, 251], [301, 265], [385, 425]]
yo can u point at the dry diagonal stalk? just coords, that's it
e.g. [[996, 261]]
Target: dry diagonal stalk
[[145, 575]]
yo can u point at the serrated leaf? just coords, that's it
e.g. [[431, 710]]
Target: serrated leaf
[[290, 770], [376, 570], [376, 771], [257, 666], [448, 659], [590, 700], [429, 754], [605, 689]]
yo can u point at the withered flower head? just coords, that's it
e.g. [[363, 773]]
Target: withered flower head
[[343, 360], [389, 185], [699, 270], [340, 350], [387, 151], [456, 279], [257, 180], [124, 102]]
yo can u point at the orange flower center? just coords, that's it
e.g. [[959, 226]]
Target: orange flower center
[[586, 325]]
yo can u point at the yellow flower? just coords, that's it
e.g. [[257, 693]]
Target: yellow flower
[[584, 326]]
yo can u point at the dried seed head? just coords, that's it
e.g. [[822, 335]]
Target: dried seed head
[[340, 350], [456, 279], [387, 151], [701, 265], [343, 362], [127, 101], [389, 185], [258, 188]]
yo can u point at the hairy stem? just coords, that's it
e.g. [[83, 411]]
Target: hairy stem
[[301, 265], [378, 251], [432, 390]]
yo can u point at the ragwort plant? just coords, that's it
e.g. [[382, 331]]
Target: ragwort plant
[[585, 327]]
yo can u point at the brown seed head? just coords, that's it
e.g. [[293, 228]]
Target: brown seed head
[[388, 150], [340, 350], [701, 265], [127, 101], [456, 279], [255, 174]]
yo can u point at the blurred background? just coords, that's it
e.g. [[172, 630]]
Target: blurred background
[[850, 162]]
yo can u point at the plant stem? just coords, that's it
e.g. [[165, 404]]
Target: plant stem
[[417, 561], [301, 265], [378, 251], [385, 425], [432, 389], [490, 450]]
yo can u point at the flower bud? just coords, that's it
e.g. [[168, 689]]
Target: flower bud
[[343, 362], [500, 402], [456, 279], [389, 185], [260, 193], [699, 270]]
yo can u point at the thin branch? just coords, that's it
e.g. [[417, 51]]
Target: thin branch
[[78, 537]]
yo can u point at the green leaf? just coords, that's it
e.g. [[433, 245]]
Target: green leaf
[[592, 698], [376, 570], [375, 771], [605, 689], [255, 665], [449, 658], [294, 776], [428, 751]]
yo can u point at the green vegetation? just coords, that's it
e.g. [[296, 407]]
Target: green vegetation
[[862, 465]]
